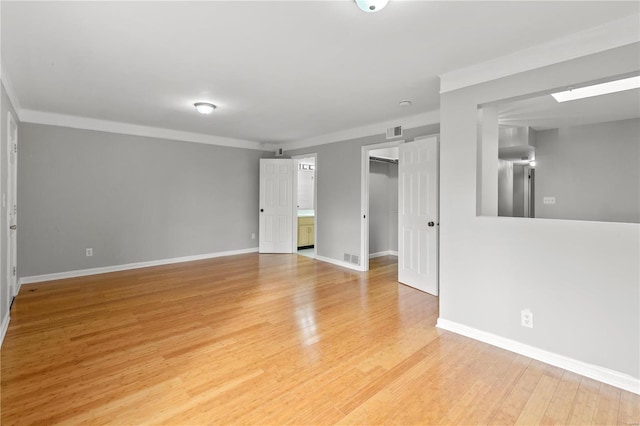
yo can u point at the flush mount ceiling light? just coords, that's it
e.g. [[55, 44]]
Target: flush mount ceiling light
[[371, 5], [598, 89], [204, 107], [404, 103]]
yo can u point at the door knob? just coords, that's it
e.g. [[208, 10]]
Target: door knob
[[13, 227], [261, 210], [431, 224]]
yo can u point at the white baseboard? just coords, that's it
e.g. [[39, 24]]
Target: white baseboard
[[340, 263], [383, 253], [3, 327], [115, 268], [601, 374]]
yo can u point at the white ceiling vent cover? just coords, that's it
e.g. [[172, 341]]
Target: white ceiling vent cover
[[394, 132]]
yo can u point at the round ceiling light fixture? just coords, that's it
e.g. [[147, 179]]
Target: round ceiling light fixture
[[204, 107], [371, 5], [405, 103]]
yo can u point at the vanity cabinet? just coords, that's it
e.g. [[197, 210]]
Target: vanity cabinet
[[306, 231]]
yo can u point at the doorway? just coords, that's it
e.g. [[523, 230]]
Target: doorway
[[383, 202], [418, 211], [305, 202], [380, 152]]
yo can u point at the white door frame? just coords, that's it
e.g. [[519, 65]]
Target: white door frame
[[296, 160], [12, 175], [4, 296], [364, 199]]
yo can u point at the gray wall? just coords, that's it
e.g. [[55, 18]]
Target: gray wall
[[511, 193], [593, 171], [383, 207], [131, 199], [505, 188], [338, 174], [580, 279], [379, 211], [393, 207], [519, 181], [5, 107]]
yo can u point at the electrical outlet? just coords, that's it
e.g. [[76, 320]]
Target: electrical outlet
[[253, 235], [526, 318], [89, 252], [548, 200]]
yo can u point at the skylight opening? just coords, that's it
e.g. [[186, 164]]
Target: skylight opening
[[598, 89]]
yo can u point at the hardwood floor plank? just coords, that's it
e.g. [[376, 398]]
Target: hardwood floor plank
[[535, 408], [629, 409], [608, 406], [584, 405], [559, 407], [269, 340]]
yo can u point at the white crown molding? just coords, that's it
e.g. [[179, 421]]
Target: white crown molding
[[594, 40], [601, 374], [125, 267], [11, 93], [85, 123], [409, 122]]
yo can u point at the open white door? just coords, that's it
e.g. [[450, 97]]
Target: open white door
[[276, 206], [12, 206], [418, 215]]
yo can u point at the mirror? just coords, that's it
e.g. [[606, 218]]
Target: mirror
[[577, 159]]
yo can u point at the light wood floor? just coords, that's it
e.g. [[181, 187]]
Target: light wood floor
[[270, 340]]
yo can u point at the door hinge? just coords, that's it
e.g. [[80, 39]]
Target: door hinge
[[14, 271], [15, 148], [15, 209]]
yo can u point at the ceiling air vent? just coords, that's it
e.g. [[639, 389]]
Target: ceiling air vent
[[394, 132]]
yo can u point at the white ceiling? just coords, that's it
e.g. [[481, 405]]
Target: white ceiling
[[279, 71]]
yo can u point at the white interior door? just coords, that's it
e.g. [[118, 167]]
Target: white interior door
[[12, 206], [276, 206], [418, 215]]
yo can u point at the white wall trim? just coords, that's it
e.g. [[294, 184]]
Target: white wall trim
[[11, 93], [614, 34], [601, 374], [4, 327], [339, 263], [409, 122], [86, 123], [115, 268], [383, 253], [18, 286]]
